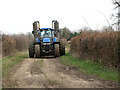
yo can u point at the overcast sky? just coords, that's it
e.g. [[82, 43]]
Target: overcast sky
[[18, 15]]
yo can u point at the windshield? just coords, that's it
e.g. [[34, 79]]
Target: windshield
[[46, 33]]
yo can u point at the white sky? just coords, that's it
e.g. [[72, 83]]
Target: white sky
[[18, 15]]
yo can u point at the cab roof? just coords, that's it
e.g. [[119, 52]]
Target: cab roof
[[45, 28]]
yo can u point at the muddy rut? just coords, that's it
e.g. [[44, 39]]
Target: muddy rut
[[50, 73]]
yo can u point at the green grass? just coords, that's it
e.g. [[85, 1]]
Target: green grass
[[41, 63], [10, 61], [67, 46], [91, 68]]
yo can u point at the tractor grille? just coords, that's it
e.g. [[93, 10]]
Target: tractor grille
[[46, 48]]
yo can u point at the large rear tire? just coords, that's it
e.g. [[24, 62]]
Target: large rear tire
[[37, 51], [31, 49], [62, 48], [56, 50]]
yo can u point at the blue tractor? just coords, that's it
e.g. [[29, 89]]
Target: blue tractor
[[47, 41]]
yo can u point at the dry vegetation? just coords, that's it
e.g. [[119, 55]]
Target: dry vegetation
[[97, 46], [14, 43]]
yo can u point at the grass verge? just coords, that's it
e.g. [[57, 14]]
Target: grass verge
[[10, 61], [91, 68], [67, 46]]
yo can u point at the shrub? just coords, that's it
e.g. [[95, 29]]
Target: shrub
[[13, 43], [8, 45], [97, 46]]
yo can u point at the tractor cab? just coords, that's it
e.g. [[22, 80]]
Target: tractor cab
[[46, 38], [46, 32]]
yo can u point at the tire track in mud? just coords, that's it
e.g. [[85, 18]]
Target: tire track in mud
[[30, 75], [54, 71], [52, 74]]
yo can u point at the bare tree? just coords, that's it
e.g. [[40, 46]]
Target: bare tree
[[116, 16], [117, 3], [105, 18]]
